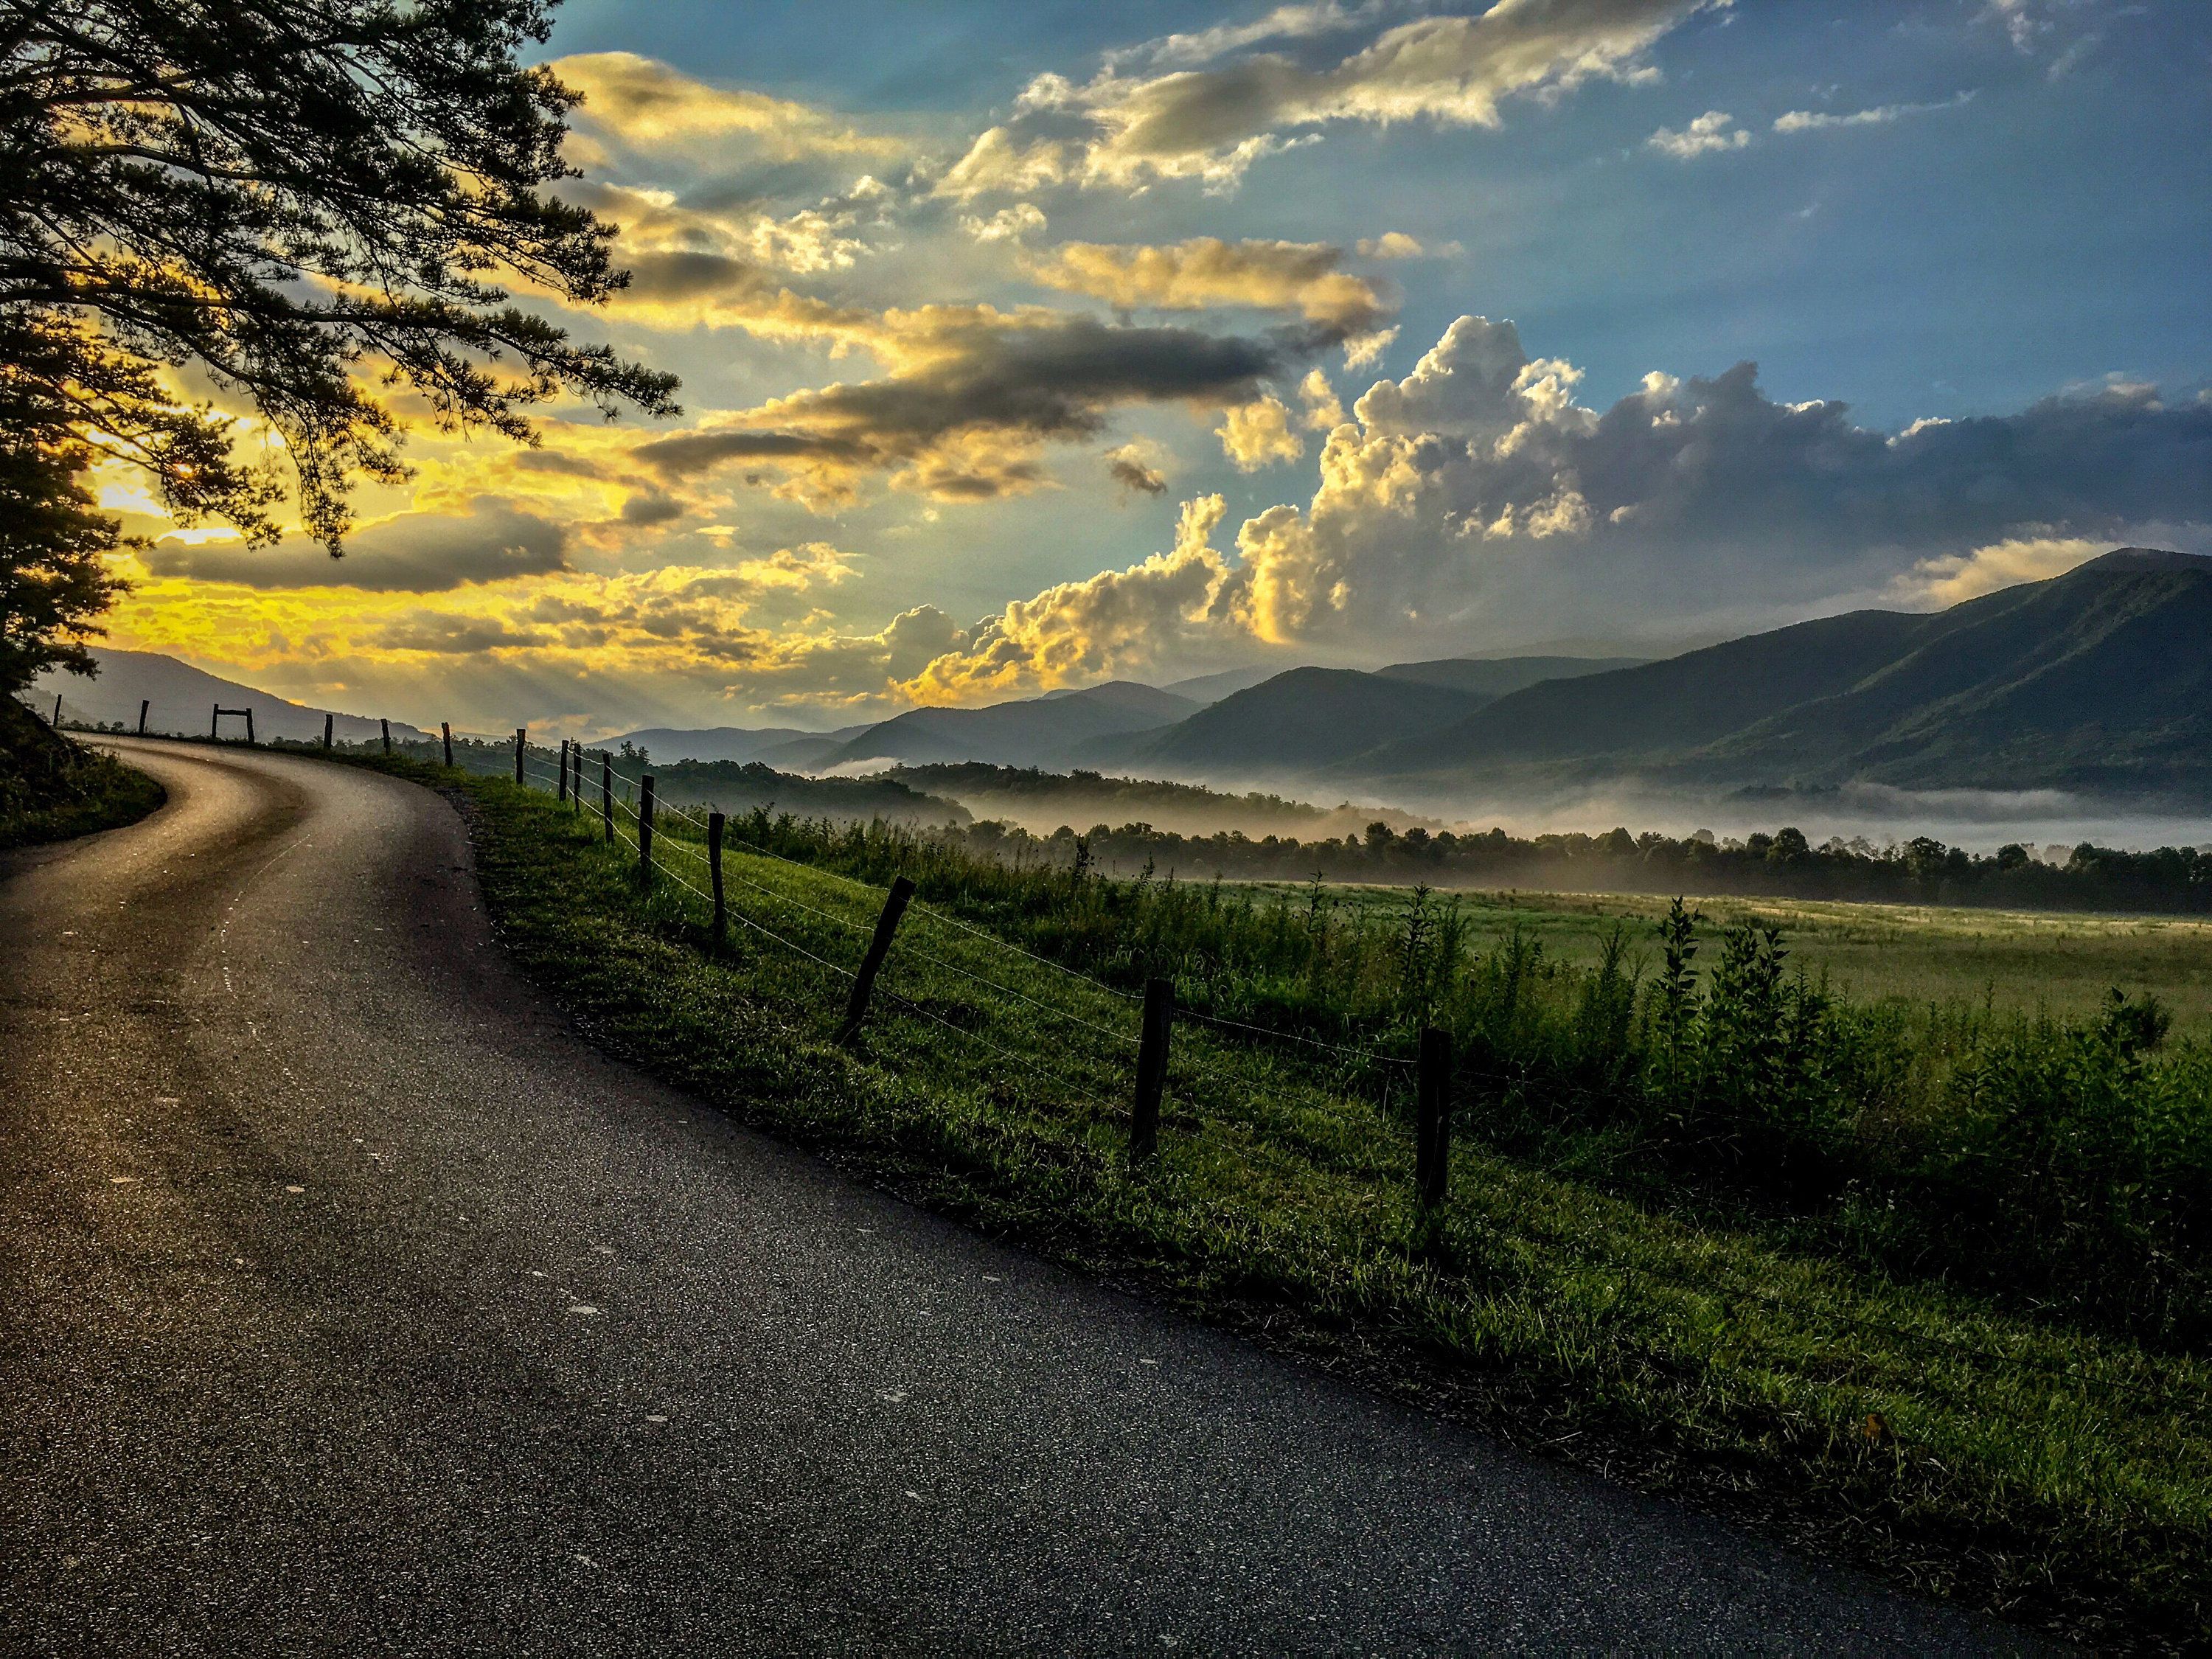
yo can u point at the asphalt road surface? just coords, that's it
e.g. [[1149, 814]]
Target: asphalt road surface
[[350, 1304]]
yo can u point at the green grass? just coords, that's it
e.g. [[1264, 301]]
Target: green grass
[[2035, 1469], [2029, 961], [51, 789]]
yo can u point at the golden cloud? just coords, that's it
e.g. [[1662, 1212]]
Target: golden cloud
[[1258, 435], [1114, 622], [643, 104], [1211, 123], [1301, 278]]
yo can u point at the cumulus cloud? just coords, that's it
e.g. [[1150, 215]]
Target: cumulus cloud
[[1476, 503], [1477, 497], [1125, 130], [1300, 278], [1116, 622], [1322, 410], [411, 553], [1805, 121], [1258, 435], [1391, 245], [1713, 133]]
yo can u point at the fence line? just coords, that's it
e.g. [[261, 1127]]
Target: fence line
[[2161, 1392]]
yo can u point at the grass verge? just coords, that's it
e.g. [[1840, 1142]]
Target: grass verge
[[51, 789], [2046, 1474]]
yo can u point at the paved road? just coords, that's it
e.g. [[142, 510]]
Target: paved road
[[353, 1305]]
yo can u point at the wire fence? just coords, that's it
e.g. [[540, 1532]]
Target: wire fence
[[594, 785], [1289, 1045]]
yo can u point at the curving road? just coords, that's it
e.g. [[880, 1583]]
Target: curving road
[[348, 1303]]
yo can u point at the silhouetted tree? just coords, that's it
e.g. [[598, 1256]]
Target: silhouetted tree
[[296, 203]]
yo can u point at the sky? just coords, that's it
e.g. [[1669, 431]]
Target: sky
[[1031, 345]]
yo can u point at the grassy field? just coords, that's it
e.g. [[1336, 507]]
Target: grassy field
[[2030, 961], [2057, 1476]]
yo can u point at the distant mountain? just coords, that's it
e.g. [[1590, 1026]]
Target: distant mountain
[[1039, 732], [806, 754], [1304, 718], [729, 743], [183, 699], [1500, 676], [2098, 681], [1212, 688]]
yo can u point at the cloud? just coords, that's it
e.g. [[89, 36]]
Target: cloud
[[1365, 350], [1115, 622], [2028, 23], [1391, 245], [1322, 410], [454, 636], [1211, 123], [677, 618], [980, 393], [1803, 120], [1934, 583], [1300, 278], [644, 104], [1711, 133], [411, 553], [1290, 22], [1476, 499], [1135, 466], [1008, 224], [1258, 435]]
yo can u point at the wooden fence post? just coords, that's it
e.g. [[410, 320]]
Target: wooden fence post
[[864, 983], [446, 731], [1152, 1067], [645, 829], [715, 874], [387, 735], [521, 736], [607, 793], [563, 795], [57, 711], [144, 704], [214, 725], [249, 726], [329, 721], [1432, 1119]]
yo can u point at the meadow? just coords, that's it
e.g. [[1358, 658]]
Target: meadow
[[2061, 962], [1688, 1241]]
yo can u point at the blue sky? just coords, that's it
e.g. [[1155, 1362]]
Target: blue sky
[[1029, 345], [2056, 230]]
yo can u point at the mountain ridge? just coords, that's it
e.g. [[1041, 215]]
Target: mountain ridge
[[2095, 679]]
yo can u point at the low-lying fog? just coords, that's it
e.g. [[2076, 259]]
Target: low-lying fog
[[1309, 808], [1980, 820]]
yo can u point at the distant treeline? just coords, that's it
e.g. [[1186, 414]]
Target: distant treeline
[[960, 778], [1783, 865]]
